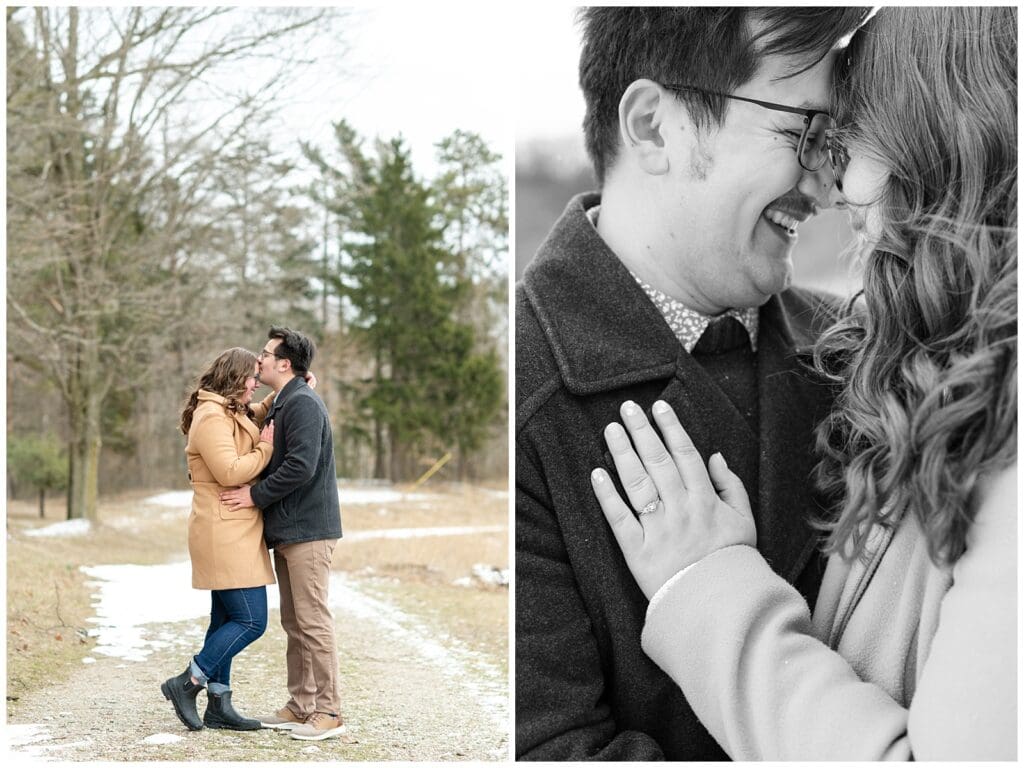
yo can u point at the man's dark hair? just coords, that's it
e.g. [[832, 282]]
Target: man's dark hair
[[296, 347], [717, 49]]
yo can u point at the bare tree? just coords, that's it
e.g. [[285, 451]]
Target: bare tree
[[115, 125]]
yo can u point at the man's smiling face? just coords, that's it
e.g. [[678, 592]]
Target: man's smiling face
[[734, 195]]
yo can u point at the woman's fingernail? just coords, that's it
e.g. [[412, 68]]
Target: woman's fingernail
[[630, 408], [615, 431], [598, 476], [661, 407]]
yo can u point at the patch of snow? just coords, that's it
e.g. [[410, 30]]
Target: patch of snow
[[500, 494], [67, 528], [485, 574], [379, 496], [128, 597], [162, 738], [20, 735], [88, 660], [181, 499], [32, 740], [346, 495], [488, 574], [417, 533]]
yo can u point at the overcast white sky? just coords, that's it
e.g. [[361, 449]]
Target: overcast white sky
[[509, 75], [418, 70]]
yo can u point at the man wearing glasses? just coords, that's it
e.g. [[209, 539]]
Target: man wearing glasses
[[707, 131], [298, 495]]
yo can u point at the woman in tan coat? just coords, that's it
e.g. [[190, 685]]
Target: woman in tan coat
[[225, 448], [911, 651]]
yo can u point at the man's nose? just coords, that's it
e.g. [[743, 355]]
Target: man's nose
[[818, 185]]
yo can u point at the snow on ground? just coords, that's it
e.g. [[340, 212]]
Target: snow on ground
[[374, 495], [129, 598], [485, 574], [171, 499], [65, 528], [162, 738], [33, 740], [417, 533]]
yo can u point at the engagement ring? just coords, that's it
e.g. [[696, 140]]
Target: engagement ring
[[650, 507]]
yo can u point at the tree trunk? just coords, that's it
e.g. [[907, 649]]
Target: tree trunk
[[379, 456], [84, 460], [42, 503], [394, 469]]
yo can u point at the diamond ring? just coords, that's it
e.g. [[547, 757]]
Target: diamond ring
[[653, 506]]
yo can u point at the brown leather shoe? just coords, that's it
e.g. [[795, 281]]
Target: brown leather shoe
[[284, 719], [319, 725]]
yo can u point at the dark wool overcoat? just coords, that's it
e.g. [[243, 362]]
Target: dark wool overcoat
[[298, 490], [588, 338]]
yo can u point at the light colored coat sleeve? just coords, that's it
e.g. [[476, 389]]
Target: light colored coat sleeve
[[738, 640], [260, 409], [213, 439]]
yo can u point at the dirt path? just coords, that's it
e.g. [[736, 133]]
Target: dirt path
[[409, 693]]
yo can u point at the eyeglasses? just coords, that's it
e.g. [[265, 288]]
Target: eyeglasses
[[838, 157], [265, 352], [811, 152]]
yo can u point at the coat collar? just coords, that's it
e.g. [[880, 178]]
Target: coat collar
[[286, 391], [603, 330], [206, 396]]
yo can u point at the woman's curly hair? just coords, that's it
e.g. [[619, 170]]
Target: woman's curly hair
[[226, 377], [926, 362]]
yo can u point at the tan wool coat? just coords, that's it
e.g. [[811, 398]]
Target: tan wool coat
[[902, 660], [224, 451]]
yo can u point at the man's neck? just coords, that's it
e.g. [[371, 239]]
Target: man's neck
[[283, 384], [622, 225]]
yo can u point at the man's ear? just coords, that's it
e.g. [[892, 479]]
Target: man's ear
[[642, 112]]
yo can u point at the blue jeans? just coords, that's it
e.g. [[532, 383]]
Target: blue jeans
[[237, 618]]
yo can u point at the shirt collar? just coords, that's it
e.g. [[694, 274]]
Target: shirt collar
[[688, 325]]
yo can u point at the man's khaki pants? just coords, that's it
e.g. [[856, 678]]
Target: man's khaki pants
[[303, 574]]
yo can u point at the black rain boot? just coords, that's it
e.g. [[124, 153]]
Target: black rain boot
[[182, 692], [220, 714]]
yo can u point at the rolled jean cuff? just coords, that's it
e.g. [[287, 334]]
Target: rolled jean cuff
[[198, 673]]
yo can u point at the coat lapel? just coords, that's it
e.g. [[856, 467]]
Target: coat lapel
[[712, 421], [791, 404], [248, 426]]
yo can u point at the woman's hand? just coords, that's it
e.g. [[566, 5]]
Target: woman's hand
[[267, 433], [310, 378], [683, 513]]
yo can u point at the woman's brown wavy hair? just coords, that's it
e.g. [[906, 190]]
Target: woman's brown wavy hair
[[225, 377], [926, 363]]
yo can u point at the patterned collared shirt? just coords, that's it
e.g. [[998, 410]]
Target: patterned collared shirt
[[687, 324]]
